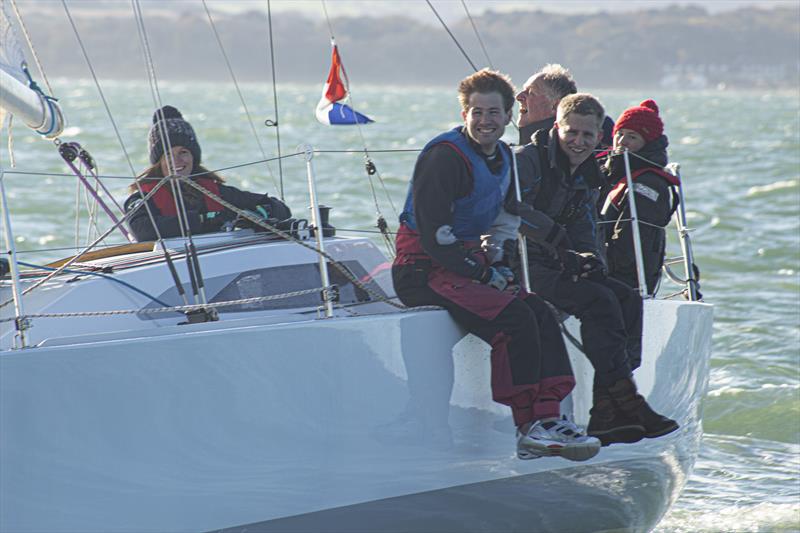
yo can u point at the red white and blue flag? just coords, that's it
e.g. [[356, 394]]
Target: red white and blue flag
[[329, 110]]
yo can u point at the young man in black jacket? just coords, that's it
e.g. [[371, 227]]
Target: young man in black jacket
[[558, 178]]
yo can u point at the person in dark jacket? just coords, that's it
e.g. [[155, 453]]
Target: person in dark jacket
[[539, 98], [639, 130], [455, 196], [174, 150], [558, 175]]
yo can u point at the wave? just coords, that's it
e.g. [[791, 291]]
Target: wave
[[777, 186]]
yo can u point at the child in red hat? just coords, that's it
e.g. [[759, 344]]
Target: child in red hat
[[640, 130]]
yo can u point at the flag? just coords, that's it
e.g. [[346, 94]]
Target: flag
[[329, 110]]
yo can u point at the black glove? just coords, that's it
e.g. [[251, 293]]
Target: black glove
[[274, 208], [497, 277], [212, 221], [511, 253], [592, 267], [570, 263], [260, 213]]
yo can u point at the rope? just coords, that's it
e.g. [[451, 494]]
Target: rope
[[99, 88], [463, 52], [109, 176], [239, 92], [30, 46], [262, 223], [477, 35], [99, 275], [60, 269], [276, 122], [368, 163], [167, 308]]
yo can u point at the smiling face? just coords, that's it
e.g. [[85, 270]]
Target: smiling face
[[577, 136], [625, 138], [485, 119], [183, 160], [535, 103]]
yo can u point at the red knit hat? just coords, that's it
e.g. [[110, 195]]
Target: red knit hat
[[643, 119]]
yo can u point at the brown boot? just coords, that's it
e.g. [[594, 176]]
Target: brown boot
[[610, 424], [627, 399]]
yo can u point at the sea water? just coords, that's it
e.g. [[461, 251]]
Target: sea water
[[740, 161]]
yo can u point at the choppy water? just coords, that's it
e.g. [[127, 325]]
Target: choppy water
[[740, 157]]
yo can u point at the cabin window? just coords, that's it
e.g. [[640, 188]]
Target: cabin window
[[274, 281], [290, 278]]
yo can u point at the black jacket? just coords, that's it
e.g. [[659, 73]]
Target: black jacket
[[655, 204], [559, 208], [142, 228]]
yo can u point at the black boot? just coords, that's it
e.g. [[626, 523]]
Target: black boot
[[610, 424], [627, 399]]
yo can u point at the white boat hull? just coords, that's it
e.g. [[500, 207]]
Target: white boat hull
[[359, 424]]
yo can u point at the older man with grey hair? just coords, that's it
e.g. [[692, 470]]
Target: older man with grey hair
[[539, 98]]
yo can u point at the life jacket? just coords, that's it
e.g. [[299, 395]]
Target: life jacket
[[165, 201], [473, 214], [617, 194]]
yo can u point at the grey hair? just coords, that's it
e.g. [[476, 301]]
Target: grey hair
[[557, 81]]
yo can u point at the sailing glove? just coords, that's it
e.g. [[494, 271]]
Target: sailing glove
[[497, 277]]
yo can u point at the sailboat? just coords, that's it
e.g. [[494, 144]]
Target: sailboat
[[302, 396]]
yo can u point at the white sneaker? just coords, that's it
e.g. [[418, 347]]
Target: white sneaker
[[559, 438]]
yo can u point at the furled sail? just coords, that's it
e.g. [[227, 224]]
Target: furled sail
[[18, 97]]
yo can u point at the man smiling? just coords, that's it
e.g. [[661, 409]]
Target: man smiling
[[558, 175], [455, 195]]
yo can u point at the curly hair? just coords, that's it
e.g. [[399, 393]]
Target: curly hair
[[486, 81]]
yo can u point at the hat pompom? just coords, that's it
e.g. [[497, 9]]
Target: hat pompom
[[649, 104], [166, 112]]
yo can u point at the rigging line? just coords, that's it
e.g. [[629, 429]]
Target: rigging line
[[161, 124], [466, 56], [360, 131], [30, 45], [514, 124], [87, 248], [99, 275], [478, 35], [238, 91], [137, 15], [109, 176], [275, 97], [99, 88]]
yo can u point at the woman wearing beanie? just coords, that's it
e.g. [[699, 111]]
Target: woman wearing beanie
[[640, 130], [171, 134]]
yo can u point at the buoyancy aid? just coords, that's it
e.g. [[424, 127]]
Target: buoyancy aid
[[473, 214], [617, 194], [165, 201]]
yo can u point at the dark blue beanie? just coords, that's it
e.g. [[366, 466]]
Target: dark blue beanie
[[179, 132]]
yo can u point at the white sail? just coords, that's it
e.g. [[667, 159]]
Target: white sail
[[17, 98]]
